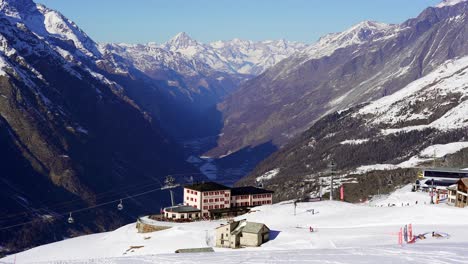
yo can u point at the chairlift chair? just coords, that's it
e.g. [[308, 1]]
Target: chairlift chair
[[70, 219], [120, 205]]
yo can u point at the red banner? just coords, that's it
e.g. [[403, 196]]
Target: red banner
[[342, 193], [400, 237]]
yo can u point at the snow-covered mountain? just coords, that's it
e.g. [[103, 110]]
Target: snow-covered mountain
[[233, 57], [248, 57], [423, 123], [449, 3], [361, 64], [357, 34]]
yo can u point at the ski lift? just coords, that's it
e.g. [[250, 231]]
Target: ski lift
[[120, 205], [70, 219]]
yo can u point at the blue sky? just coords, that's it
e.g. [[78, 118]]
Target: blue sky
[[141, 21]]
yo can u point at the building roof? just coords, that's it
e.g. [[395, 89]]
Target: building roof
[[456, 170], [207, 186], [248, 190], [452, 187], [245, 226], [252, 227], [464, 181], [181, 209]]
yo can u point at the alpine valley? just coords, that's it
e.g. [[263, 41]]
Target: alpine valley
[[84, 124]]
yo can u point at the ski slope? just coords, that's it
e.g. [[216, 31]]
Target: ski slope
[[345, 233]]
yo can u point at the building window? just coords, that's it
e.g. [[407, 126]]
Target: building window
[[211, 200], [226, 202], [221, 206], [173, 216], [195, 199], [216, 207], [195, 206], [188, 191], [195, 193], [216, 200], [205, 200], [211, 207], [205, 207], [226, 195]]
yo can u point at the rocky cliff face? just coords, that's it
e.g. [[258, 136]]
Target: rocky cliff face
[[359, 65], [69, 132]]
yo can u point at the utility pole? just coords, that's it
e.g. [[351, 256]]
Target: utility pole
[[320, 188], [432, 192], [332, 167]]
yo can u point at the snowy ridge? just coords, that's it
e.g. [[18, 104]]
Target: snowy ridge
[[357, 34], [449, 3], [361, 33], [49, 24]]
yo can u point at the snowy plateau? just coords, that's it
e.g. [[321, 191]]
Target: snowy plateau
[[343, 233]]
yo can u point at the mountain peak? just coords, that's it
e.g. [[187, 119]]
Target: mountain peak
[[369, 25], [181, 41]]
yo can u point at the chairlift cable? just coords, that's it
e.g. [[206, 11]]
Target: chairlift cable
[[67, 203], [82, 209]]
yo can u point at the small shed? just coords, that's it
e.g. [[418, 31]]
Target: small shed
[[242, 233]]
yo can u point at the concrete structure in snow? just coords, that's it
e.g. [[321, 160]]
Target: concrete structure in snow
[[181, 212], [236, 234]]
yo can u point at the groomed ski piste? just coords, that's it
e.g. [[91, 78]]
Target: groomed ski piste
[[343, 233]]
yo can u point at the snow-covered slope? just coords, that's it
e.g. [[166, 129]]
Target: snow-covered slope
[[449, 3], [49, 24], [364, 228], [439, 100]]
